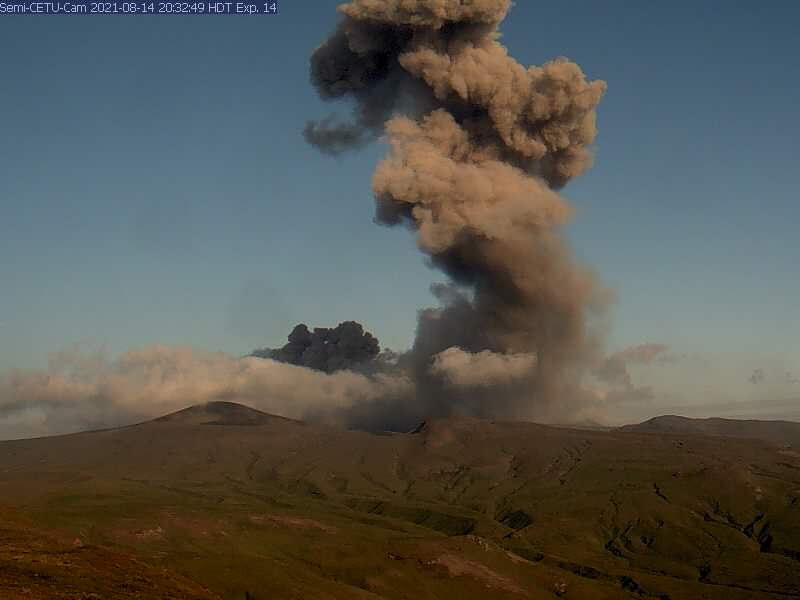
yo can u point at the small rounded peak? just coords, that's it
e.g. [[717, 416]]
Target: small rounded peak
[[219, 413]]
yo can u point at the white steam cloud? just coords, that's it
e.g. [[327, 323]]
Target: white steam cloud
[[83, 392], [481, 369]]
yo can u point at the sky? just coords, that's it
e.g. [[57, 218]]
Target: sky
[[156, 189]]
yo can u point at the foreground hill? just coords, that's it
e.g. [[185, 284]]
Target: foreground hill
[[35, 563], [254, 506], [784, 433]]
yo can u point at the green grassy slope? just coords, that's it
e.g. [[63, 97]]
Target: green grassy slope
[[255, 506], [35, 563]]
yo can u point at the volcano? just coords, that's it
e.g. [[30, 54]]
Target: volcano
[[249, 505]]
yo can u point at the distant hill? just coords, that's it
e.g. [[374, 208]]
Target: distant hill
[[220, 413], [247, 505], [784, 433]]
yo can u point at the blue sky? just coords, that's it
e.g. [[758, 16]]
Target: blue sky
[[156, 187]]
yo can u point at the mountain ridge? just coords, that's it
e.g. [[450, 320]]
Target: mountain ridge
[[250, 505], [779, 432]]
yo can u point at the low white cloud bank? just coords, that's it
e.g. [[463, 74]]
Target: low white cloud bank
[[460, 368], [91, 391]]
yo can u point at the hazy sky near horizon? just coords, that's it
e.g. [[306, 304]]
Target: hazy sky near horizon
[[156, 189]]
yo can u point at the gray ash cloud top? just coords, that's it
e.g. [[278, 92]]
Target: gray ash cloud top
[[326, 349]]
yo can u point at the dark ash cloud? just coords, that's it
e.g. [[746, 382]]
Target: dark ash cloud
[[334, 138], [326, 349]]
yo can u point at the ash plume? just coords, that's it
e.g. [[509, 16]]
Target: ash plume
[[614, 368], [478, 144], [326, 349], [478, 147]]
